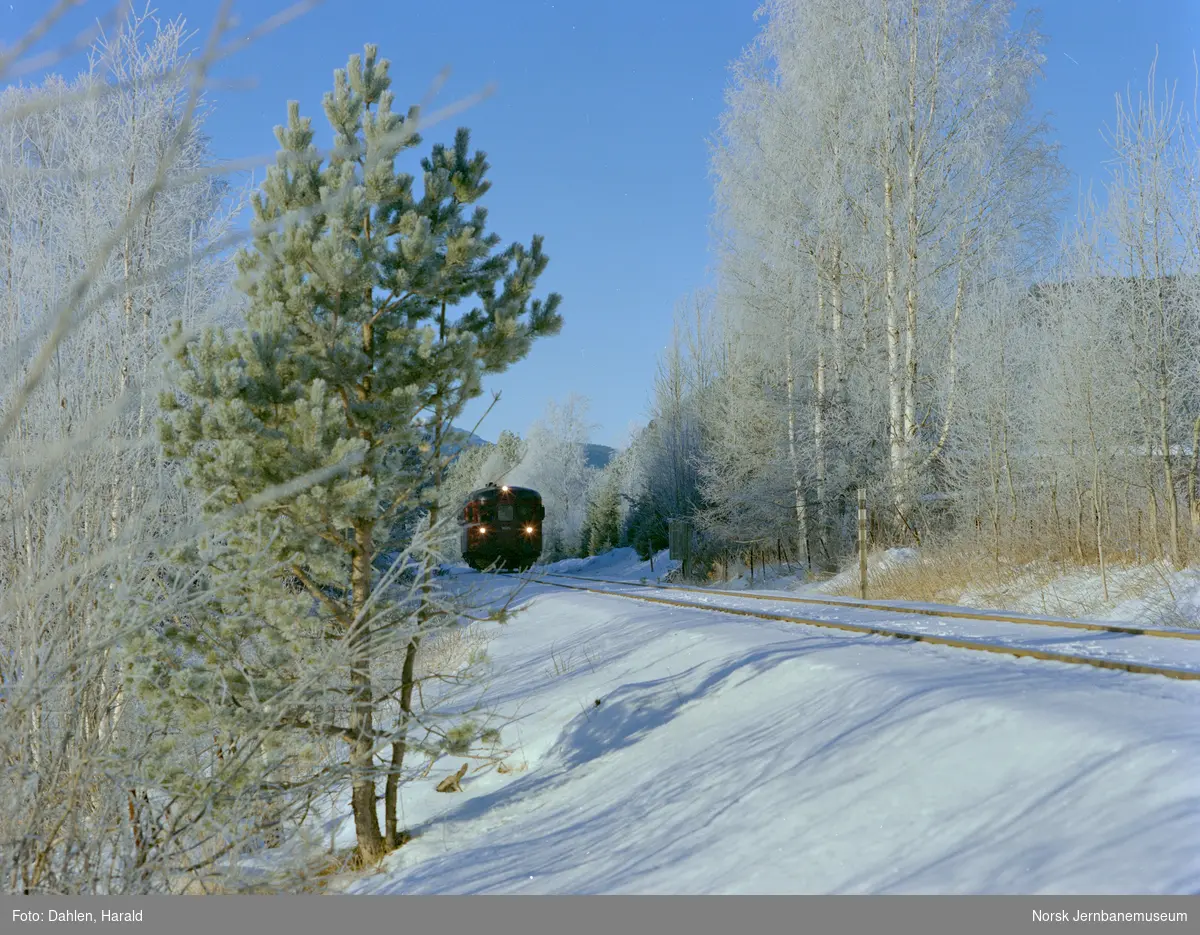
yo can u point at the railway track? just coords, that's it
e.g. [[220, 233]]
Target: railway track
[[1020, 648], [952, 613]]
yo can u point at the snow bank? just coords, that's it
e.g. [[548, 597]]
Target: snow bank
[[727, 756], [622, 564]]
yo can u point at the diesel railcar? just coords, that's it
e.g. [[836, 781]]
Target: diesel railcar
[[501, 528]]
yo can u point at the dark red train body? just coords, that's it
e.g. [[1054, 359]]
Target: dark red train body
[[502, 527]]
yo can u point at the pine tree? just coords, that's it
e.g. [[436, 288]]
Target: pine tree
[[350, 364], [510, 450], [603, 529]]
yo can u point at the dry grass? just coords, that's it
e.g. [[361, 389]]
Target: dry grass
[[453, 650], [564, 662], [330, 872], [945, 576], [1026, 580]]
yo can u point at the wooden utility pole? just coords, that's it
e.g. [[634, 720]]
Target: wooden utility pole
[[862, 542], [679, 540]]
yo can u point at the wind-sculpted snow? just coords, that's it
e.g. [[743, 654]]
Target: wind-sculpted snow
[[727, 755]]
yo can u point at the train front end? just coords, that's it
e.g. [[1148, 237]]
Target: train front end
[[501, 528]]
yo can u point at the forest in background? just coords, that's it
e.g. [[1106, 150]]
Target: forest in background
[[897, 310]]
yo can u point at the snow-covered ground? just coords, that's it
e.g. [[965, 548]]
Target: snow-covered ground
[[664, 750]]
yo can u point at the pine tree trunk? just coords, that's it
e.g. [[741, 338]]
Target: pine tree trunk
[[399, 745], [371, 846]]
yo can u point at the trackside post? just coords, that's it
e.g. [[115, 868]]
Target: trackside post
[[679, 539], [862, 542]]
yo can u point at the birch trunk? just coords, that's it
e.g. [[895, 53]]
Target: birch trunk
[[897, 447], [794, 459], [819, 408], [1193, 506], [910, 298]]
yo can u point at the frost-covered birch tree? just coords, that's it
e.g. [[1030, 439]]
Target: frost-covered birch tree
[[555, 465], [1151, 249], [112, 216], [880, 157]]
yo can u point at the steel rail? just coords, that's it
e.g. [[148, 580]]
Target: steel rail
[[869, 630], [952, 613]]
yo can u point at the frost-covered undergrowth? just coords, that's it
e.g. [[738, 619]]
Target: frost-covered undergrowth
[[663, 750], [1150, 594], [1143, 594]]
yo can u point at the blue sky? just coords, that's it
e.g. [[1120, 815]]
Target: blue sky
[[597, 137]]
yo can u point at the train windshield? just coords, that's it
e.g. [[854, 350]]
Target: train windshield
[[485, 511], [477, 512]]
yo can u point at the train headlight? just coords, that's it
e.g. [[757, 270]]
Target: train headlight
[[505, 489], [529, 530]]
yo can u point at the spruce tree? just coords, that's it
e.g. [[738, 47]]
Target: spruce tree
[[352, 362], [603, 528]]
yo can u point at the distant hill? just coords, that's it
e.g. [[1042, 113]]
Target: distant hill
[[472, 440], [597, 456]]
